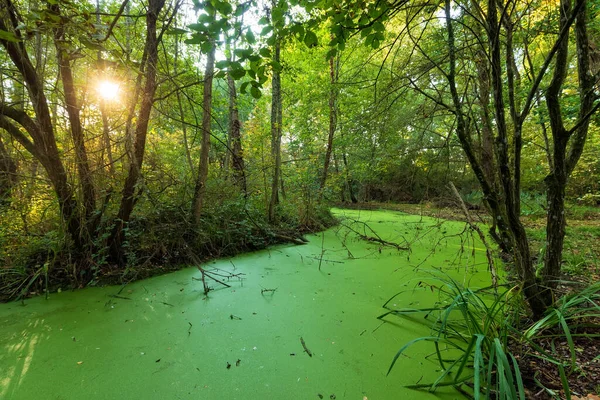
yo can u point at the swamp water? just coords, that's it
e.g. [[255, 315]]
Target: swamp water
[[164, 339]]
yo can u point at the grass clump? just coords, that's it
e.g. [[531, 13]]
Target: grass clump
[[470, 334], [483, 341]]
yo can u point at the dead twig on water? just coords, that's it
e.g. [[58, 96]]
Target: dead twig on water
[[375, 239], [264, 290], [305, 348], [213, 275]]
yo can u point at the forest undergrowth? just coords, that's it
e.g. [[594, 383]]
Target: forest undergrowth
[[161, 240]]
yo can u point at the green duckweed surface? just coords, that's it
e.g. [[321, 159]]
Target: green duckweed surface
[[166, 340]]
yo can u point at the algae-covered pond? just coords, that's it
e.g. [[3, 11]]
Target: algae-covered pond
[[164, 339]]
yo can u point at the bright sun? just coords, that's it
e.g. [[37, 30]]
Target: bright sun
[[108, 90]]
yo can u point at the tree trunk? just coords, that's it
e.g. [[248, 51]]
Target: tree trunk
[[128, 198], [333, 67], [71, 103], [276, 119], [41, 130], [107, 145], [200, 190], [188, 155], [565, 158], [234, 140]]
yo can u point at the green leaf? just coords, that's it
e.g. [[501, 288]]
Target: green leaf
[[266, 30], [195, 39], [244, 87], [222, 64], [250, 37], [205, 18], [176, 31], [276, 66], [277, 14], [224, 7], [197, 27], [237, 73], [265, 52], [241, 9], [310, 39], [255, 92], [243, 53], [297, 29], [206, 47], [378, 26]]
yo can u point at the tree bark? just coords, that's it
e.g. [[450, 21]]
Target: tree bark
[[71, 103], [565, 159], [128, 198], [333, 68], [200, 190], [235, 140], [276, 120], [41, 130]]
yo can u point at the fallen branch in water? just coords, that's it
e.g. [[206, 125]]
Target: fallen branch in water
[[382, 242], [374, 239], [213, 275]]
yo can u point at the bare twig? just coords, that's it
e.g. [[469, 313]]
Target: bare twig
[[305, 348], [475, 227]]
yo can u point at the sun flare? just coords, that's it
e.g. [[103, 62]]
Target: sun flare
[[108, 90]]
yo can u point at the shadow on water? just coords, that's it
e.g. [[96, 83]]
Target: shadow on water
[[18, 354], [162, 338]]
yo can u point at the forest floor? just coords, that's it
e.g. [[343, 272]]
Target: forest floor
[[581, 267]]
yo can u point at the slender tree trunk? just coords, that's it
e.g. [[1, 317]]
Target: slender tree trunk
[[234, 139], [107, 145], [200, 190], [188, 155], [128, 198], [333, 67], [276, 119], [348, 179], [83, 166]]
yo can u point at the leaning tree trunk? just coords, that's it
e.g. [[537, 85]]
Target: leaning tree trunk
[[41, 142], [128, 198], [73, 111]]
